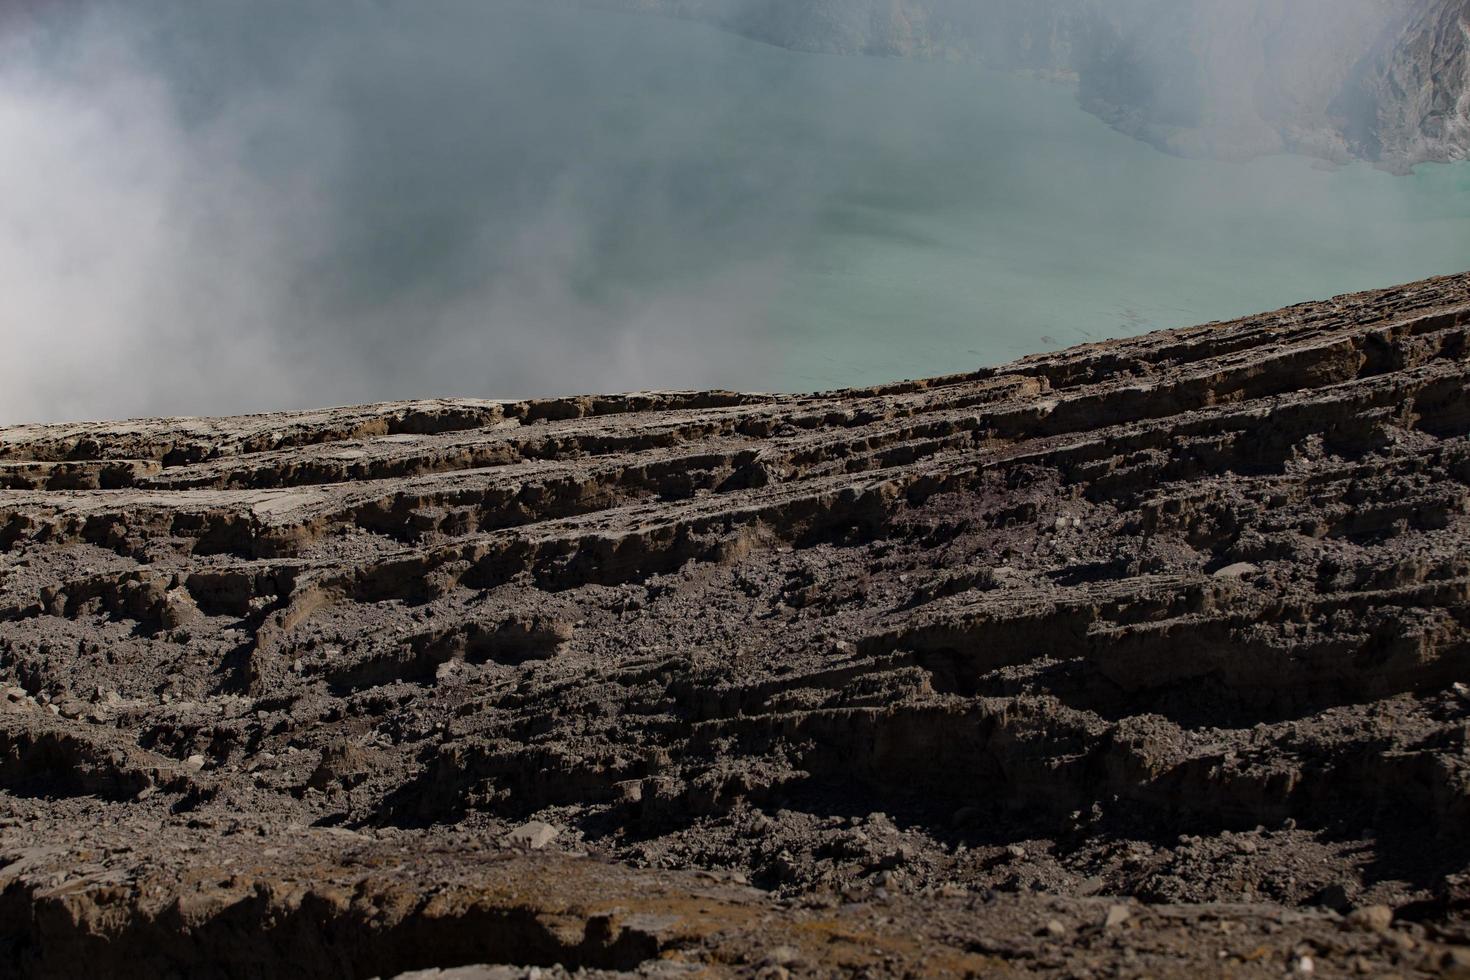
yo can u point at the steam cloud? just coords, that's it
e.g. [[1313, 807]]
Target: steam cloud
[[299, 204], [215, 206]]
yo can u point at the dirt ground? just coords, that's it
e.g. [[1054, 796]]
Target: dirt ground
[[1149, 658]]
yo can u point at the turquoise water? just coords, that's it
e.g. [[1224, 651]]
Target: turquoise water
[[506, 199], [1009, 221]]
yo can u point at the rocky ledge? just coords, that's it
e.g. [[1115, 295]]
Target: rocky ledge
[[1143, 658]]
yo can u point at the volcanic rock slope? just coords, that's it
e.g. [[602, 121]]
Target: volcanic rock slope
[[1142, 658]]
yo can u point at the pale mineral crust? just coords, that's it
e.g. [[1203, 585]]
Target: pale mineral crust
[[1145, 658]]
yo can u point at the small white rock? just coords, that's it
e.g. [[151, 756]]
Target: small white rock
[[1239, 570], [194, 763], [532, 836]]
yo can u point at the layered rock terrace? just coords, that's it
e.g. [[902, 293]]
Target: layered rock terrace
[[1040, 668]]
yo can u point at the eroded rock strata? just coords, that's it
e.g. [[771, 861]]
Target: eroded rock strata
[[1144, 658]]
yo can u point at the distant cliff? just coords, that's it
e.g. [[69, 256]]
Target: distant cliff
[[1380, 80]]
